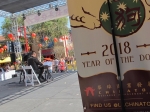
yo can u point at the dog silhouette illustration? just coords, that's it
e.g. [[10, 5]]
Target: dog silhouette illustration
[[89, 90], [85, 13]]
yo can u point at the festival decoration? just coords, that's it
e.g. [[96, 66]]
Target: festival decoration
[[33, 35], [0, 50], [40, 45], [5, 47], [10, 35], [55, 40], [64, 38], [46, 39]]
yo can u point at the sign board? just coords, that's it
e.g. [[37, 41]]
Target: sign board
[[46, 16], [47, 52], [94, 51]]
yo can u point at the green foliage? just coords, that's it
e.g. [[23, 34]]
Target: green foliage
[[54, 28], [71, 52], [7, 25]]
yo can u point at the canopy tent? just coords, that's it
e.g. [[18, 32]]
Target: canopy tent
[[7, 60], [14, 6], [17, 7]]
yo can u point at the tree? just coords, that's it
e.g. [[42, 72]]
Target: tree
[[52, 29], [59, 51], [7, 25]]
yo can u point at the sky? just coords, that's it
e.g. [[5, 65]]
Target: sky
[[1, 21]]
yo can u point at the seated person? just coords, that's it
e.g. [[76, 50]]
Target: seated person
[[49, 63], [36, 65]]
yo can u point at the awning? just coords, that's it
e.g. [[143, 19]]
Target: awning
[[14, 6], [7, 60]]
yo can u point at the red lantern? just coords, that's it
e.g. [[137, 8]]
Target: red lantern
[[33, 35], [10, 35], [55, 40], [46, 38], [12, 38], [40, 45], [0, 50], [5, 47], [65, 38]]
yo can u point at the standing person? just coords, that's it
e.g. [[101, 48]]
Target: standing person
[[62, 65], [66, 59], [36, 65], [56, 63], [2, 72], [74, 64]]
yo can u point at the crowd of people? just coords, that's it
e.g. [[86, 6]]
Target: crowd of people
[[7, 67], [62, 64], [56, 65]]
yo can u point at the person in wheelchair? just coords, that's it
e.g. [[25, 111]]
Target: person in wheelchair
[[36, 65]]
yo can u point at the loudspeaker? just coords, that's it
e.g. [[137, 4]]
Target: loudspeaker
[[13, 57]]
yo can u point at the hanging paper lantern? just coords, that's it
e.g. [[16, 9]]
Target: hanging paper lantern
[[10, 35], [0, 50], [33, 35], [5, 47], [55, 40], [40, 45], [46, 38], [12, 38]]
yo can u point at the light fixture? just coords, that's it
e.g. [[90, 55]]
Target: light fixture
[[56, 8], [50, 6], [23, 16], [39, 13]]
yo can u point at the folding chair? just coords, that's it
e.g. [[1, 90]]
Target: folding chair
[[31, 77]]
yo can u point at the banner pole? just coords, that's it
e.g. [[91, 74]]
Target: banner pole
[[117, 60]]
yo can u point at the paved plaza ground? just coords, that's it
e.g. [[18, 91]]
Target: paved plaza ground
[[60, 95]]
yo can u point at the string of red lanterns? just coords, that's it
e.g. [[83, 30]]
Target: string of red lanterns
[[64, 38], [2, 49], [5, 47]]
